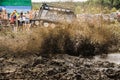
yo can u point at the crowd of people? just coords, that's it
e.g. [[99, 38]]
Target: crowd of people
[[18, 20]]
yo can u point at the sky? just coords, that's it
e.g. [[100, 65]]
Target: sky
[[55, 0]]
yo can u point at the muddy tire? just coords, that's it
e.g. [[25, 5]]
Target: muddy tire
[[52, 25], [46, 24], [37, 23]]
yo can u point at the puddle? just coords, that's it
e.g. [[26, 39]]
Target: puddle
[[112, 57]]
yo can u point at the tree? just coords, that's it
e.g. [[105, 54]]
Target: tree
[[109, 3]]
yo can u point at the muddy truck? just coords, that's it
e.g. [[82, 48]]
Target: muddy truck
[[51, 15]]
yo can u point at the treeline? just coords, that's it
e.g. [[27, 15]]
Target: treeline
[[106, 3]]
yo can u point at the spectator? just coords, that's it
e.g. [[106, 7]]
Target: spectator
[[13, 19], [31, 15], [5, 15], [27, 21], [21, 19], [27, 17], [16, 13]]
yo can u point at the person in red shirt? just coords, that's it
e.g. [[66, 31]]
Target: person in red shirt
[[13, 20]]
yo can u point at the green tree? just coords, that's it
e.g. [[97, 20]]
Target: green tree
[[109, 3]]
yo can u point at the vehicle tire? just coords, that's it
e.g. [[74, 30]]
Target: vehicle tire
[[37, 23], [46, 24], [52, 25]]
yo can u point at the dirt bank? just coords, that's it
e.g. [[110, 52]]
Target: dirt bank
[[56, 67]]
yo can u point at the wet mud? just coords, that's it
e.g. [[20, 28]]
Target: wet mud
[[56, 67]]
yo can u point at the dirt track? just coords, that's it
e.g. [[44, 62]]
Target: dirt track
[[56, 67]]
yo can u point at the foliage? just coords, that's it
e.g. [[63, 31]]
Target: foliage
[[113, 9], [36, 6], [106, 10], [109, 3]]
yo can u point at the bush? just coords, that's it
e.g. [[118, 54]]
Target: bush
[[113, 9], [106, 10]]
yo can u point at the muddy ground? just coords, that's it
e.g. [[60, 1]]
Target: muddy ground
[[56, 67]]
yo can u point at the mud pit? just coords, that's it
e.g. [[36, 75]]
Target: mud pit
[[56, 67]]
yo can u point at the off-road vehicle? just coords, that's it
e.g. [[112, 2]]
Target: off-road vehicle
[[48, 15]]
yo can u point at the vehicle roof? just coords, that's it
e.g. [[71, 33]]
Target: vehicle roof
[[47, 7]]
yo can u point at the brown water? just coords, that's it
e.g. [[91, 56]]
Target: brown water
[[112, 57]]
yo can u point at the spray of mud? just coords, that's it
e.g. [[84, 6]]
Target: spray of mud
[[62, 53]]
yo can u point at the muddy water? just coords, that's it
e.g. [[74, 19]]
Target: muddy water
[[112, 57]]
